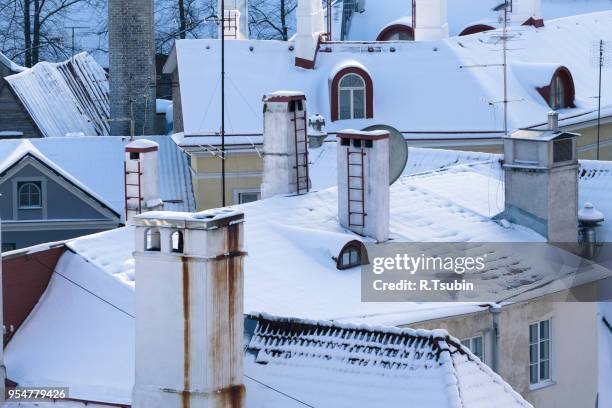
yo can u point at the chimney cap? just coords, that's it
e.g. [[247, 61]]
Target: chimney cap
[[590, 215], [284, 96], [543, 135], [141, 146], [363, 134], [205, 220]]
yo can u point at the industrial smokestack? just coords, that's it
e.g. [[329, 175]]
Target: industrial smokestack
[[189, 310], [132, 76], [141, 178], [541, 182], [310, 28], [431, 20], [363, 182], [285, 145]]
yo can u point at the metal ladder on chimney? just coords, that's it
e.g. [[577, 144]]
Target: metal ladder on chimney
[[300, 128], [231, 25], [138, 172], [355, 172]]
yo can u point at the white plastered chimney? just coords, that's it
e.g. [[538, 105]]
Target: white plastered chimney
[[285, 169], [363, 182], [431, 20], [310, 27], [189, 310], [141, 178]]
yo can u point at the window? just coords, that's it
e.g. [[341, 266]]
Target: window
[[177, 242], [248, 197], [557, 93], [540, 352], [29, 195], [560, 93], [134, 155], [352, 97], [396, 32], [351, 255], [152, 240], [476, 346]]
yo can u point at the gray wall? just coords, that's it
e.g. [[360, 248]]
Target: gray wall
[[13, 116]]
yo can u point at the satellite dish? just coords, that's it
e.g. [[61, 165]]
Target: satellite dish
[[398, 151]]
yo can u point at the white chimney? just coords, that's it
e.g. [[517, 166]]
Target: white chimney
[[141, 181], [189, 310], [431, 20], [527, 12], [363, 182], [553, 121], [285, 169], [310, 27], [236, 20]]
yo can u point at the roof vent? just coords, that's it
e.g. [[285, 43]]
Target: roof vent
[[316, 131], [553, 121]]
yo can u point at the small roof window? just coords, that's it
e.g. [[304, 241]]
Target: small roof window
[[353, 254]]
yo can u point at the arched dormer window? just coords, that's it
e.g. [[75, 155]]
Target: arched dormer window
[[560, 93], [352, 95], [396, 32], [351, 255], [152, 240], [177, 242], [476, 28]]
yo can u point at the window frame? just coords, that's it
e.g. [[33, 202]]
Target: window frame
[[335, 94], [469, 342], [352, 91], [38, 185], [16, 181], [396, 29], [238, 191], [541, 383], [561, 79], [350, 247]]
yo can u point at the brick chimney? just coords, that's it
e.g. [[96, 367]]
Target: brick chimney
[[431, 20], [132, 75], [141, 179], [236, 26], [541, 182], [363, 182], [310, 27], [189, 310], [285, 145]]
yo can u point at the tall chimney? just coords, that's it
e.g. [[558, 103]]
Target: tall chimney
[[541, 182], [527, 12], [141, 179], [131, 43], [189, 310], [285, 145], [236, 26], [363, 182], [431, 20], [310, 27]]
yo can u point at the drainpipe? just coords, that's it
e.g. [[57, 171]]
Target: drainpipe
[[495, 310]]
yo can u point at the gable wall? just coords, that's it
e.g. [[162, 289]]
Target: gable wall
[[14, 116]]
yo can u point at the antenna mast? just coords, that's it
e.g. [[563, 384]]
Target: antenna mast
[[505, 67], [222, 31]]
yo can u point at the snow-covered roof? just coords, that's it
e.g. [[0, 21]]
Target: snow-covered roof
[[71, 97], [96, 164], [423, 89], [326, 364], [452, 197], [4, 60], [368, 24]]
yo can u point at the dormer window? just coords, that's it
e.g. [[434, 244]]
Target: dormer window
[[396, 32], [559, 94], [353, 254], [351, 95]]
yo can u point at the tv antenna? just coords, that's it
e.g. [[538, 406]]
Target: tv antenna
[[601, 57]]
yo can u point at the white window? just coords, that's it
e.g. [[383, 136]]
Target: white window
[[29, 195], [352, 97], [476, 346], [557, 93], [540, 352]]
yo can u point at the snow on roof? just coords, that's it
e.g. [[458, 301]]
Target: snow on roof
[[343, 365], [461, 14], [10, 64], [86, 159], [25, 148], [452, 204], [65, 98], [421, 87], [142, 144]]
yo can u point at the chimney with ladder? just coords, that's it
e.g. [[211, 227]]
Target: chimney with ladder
[[285, 145], [236, 19], [363, 182], [141, 183]]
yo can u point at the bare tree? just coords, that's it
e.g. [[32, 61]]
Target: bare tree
[[272, 19], [180, 19]]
